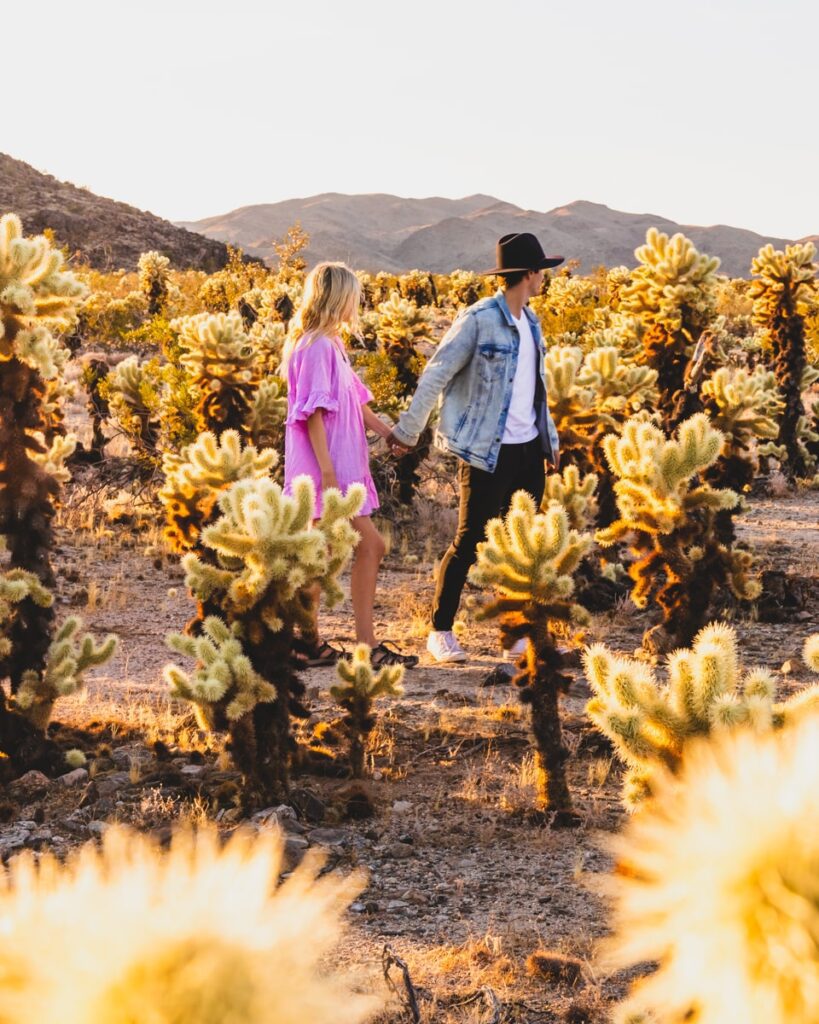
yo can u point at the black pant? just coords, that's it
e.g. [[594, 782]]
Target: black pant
[[483, 497]]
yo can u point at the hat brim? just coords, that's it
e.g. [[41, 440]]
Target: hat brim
[[545, 263]]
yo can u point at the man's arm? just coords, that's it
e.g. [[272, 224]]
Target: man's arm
[[451, 356]]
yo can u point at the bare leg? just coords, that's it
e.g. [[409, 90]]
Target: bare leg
[[368, 555]]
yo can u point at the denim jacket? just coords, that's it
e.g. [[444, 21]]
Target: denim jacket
[[474, 369]]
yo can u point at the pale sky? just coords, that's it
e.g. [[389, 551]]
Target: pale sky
[[704, 111]]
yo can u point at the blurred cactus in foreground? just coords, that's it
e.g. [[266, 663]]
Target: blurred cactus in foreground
[[716, 885], [202, 934], [651, 724], [528, 560]]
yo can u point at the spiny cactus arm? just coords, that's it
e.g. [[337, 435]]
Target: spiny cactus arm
[[39, 349], [341, 537], [575, 494], [69, 657], [626, 730], [710, 497], [637, 789], [800, 705], [268, 409], [205, 580], [359, 677], [52, 460], [739, 567]]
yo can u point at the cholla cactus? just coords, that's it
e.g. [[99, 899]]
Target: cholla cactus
[[154, 280], [133, 392], [673, 293], [268, 411], [402, 325], [580, 423], [361, 686], [567, 305], [651, 723], [528, 560], [256, 567], [744, 406], [16, 586], [195, 478], [717, 885], [36, 295], [465, 288], [621, 389], [419, 287], [574, 493], [202, 934], [785, 281], [224, 687], [669, 519], [69, 657], [222, 363]]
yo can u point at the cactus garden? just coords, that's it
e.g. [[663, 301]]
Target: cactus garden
[[564, 829]]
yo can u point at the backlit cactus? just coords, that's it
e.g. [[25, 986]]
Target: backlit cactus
[[650, 723], [70, 655], [528, 560], [669, 517], [224, 687], [255, 567], [359, 687], [784, 282], [222, 363], [195, 478], [575, 494], [36, 296], [154, 280], [673, 293], [744, 406]]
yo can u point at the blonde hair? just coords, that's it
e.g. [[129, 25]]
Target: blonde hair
[[332, 294]]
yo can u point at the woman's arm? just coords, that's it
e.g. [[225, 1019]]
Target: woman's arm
[[318, 440], [375, 423]]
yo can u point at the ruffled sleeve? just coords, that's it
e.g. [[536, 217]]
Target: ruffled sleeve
[[312, 381], [362, 392]]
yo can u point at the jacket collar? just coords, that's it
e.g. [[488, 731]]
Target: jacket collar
[[500, 298]]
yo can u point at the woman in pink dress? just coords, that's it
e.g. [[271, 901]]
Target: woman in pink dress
[[325, 434]]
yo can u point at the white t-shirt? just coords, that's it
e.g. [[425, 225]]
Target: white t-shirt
[[520, 423]]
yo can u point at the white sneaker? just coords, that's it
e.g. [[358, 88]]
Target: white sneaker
[[517, 649], [443, 645]]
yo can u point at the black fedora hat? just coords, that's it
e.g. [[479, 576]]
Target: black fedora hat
[[521, 252]]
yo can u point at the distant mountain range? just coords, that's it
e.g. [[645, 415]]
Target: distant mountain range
[[384, 232], [108, 234], [370, 232]]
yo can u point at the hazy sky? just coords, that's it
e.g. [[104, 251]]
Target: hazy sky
[[704, 111]]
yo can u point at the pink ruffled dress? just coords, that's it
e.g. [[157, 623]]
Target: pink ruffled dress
[[319, 376]]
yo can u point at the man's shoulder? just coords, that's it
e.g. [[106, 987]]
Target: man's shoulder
[[484, 306]]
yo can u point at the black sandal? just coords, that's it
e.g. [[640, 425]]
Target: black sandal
[[318, 654], [382, 655]]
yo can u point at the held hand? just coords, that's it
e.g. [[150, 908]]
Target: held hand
[[397, 448], [328, 479]]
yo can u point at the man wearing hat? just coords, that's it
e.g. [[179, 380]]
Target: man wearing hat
[[489, 371]]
